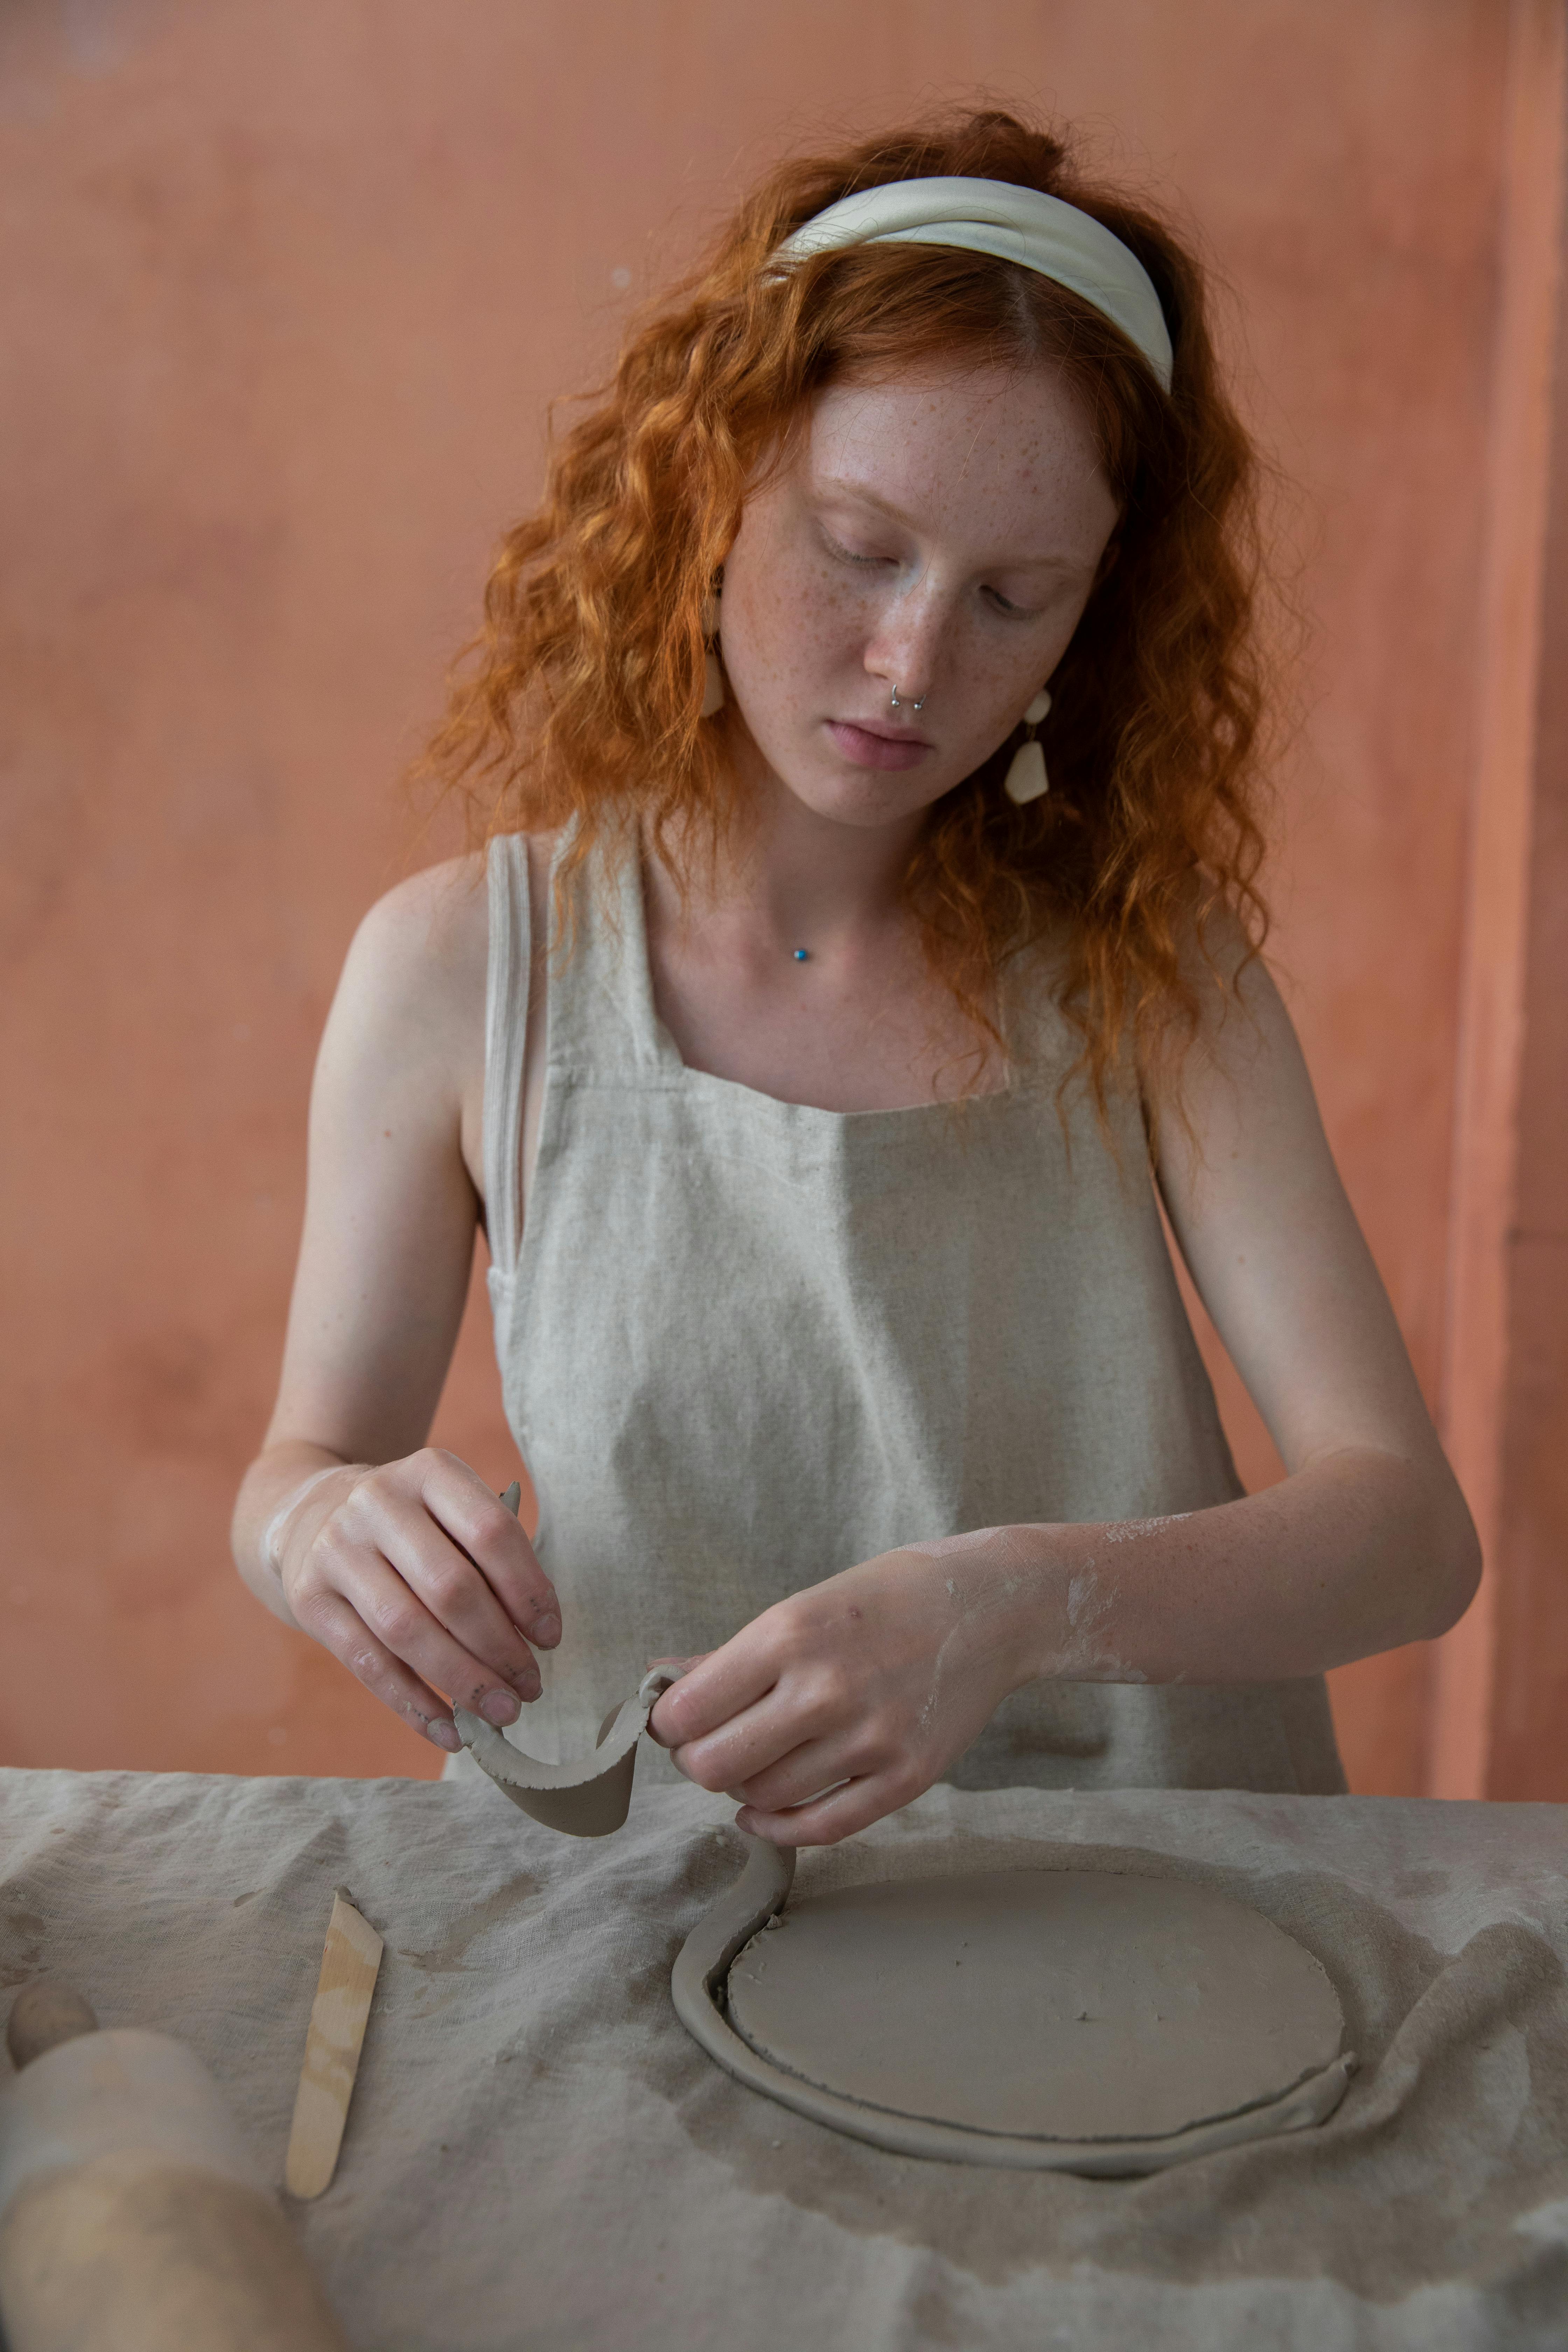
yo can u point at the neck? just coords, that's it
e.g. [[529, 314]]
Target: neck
[[803, 879]]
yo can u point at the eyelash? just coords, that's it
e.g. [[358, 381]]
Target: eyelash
[[847, 555]]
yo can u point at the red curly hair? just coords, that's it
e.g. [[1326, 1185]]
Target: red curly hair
[[582, 698]]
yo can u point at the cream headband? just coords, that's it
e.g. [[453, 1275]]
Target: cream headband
[[1016, 225]]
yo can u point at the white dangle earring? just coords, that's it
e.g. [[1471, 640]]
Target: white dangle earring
[[713, 670], [1027, 777]]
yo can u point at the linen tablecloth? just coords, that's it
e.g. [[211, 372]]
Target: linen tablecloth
[[537, 2157]]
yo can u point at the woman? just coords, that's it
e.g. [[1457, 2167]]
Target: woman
[[835, 1004]]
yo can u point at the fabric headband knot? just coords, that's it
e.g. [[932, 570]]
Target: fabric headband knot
[[1015, 223]]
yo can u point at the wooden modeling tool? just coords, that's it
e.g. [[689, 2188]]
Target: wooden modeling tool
[[338, 2015]]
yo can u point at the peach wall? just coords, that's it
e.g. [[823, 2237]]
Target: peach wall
[[288, 286], [1481, 1391], [1522, 1751]]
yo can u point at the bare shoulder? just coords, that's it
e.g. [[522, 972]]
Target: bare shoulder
[[431, 931], [1238, 1086], [437, 922], [408, 1020], [1242, 1020]]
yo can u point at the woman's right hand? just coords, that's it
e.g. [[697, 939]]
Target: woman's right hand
[[421, 1582]]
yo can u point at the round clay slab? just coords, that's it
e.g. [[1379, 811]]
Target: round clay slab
[[1056, 2005]]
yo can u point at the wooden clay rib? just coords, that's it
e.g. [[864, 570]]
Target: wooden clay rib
[[350, 1964]]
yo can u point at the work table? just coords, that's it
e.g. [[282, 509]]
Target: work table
[[537, 2157]]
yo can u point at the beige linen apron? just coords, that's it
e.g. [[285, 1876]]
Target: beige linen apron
[[745, 1344]]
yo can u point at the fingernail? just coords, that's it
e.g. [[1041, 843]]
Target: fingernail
[[499, 1706], [443, 1735], [547, 1629]]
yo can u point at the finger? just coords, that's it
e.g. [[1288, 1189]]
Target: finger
[[679, 1666], [838, 1814], [397, 1616], [809, 1771], [481, 1525], [334, 1624], [723, 1682], [811, 1704], [453, 1592]]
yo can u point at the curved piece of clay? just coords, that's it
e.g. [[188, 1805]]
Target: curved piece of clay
[[589, 1798], [723, 1928], [705, 1986]]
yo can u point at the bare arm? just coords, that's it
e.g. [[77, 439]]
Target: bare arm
[[402, 1562], [1367, 1542], [877, 1678]]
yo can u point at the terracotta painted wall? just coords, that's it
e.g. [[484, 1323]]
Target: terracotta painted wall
[[288, 289], [1522, 1748]]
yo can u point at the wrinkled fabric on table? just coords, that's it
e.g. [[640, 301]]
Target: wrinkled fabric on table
[[537, 2157]]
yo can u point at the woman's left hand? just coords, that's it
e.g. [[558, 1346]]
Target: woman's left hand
[[864, 1687]]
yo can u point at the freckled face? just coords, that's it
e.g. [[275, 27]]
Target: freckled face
[[940, 535]]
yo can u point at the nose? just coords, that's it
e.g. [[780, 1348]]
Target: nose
[[904, 650]]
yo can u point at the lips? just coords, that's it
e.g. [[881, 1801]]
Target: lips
[[875, 747]]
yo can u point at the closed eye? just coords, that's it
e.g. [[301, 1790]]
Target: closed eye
[[849, 555], [1013, 612], [999, 603]]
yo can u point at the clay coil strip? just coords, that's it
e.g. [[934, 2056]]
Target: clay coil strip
[[697, 1985], [588, 1798]]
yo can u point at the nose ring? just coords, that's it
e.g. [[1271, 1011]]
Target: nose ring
[[897, 705]]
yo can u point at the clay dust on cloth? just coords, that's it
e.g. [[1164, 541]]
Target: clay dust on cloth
[[540, 2157]]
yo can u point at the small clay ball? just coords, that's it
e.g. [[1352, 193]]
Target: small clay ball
[[44, 2013]]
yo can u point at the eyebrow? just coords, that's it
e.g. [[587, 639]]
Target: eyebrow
[[896, 514], [868, 498]]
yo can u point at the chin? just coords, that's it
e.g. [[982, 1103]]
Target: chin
[[857, 797]]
